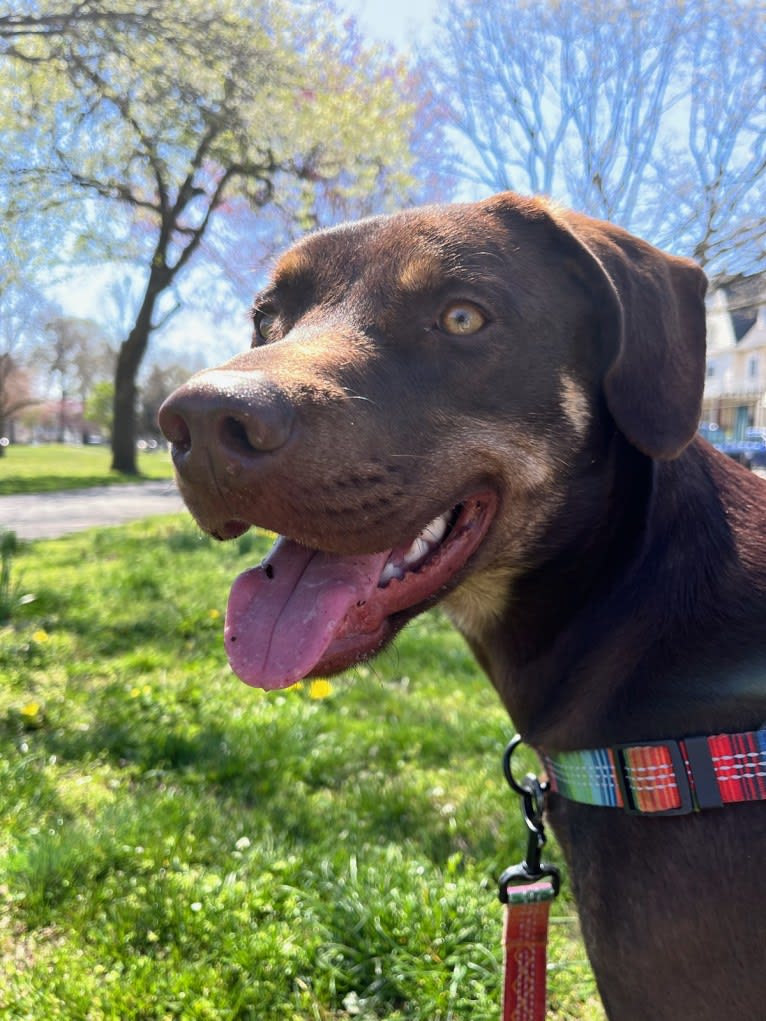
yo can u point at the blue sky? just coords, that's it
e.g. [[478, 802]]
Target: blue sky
[[394, 21]]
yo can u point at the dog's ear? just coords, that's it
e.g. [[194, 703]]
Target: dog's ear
[[653, 314]]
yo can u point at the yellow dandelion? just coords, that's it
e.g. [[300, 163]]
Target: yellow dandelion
[[40, 635], [320, 688], [135, 692], [31, 710], [214, 614]]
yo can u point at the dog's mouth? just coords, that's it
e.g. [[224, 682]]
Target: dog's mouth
[[305, 612]]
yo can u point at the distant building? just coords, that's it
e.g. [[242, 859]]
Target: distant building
[[735, 385]]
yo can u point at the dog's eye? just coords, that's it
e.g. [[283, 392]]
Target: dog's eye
[[462, 318], [265, 325]]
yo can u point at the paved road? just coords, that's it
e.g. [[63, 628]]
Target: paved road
[[49, 515]]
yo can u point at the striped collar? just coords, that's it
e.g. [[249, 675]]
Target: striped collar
[[664, 777]]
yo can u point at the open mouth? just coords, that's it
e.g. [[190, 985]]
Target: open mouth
[[304, 611]]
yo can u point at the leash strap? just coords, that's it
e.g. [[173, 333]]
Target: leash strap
[[525, 940], [664, 777], [527, 890]]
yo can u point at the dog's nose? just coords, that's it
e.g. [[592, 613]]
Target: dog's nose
[[223, 420]]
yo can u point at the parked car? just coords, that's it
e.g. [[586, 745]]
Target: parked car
[[749, 451]]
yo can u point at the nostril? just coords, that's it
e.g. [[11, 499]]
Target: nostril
[[175, 429], [254, 428], [233, 436]]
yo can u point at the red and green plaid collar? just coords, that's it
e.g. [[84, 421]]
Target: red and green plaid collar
[[664, 777]]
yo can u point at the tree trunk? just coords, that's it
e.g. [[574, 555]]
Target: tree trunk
[[124, 429], [62, 417], [128, 363]]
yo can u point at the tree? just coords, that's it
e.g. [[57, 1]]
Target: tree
[[212, 105], [77, 354], [16, 393], [720, 174], [60, 18], [160, 382], [22, 310], [647, 113]]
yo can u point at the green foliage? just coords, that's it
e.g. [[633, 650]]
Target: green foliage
[[99, 405], [177, 845]]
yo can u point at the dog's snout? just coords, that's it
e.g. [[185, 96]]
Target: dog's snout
[[224, 420]]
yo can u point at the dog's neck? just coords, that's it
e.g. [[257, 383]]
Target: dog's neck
[[558, 656]]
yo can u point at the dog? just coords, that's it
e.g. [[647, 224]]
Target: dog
[[494, 406]]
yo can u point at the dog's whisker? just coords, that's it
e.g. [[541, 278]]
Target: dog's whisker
[[359, 397]]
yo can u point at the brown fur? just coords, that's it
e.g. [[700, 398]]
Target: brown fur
[[620, 593]]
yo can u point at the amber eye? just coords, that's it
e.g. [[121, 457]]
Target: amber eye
[[461, 319], [265, 325]]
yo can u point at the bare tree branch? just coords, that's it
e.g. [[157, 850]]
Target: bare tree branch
[[650, 114]]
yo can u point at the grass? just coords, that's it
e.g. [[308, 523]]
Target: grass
[[175, 845], [52, 467]]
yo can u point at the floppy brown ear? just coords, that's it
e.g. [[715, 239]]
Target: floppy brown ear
[[654, 316]]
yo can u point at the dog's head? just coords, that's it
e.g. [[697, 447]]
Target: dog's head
[[423, 395]]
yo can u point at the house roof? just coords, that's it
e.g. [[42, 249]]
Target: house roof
[[745, 295], [756, 335], [720, 328]]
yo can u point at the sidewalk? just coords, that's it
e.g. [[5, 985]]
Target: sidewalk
[[50, 515]]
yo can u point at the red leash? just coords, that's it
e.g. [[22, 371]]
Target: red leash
[[527, 890], [525, 938]]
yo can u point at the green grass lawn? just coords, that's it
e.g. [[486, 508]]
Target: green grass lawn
[[57, 466], [175, 845]]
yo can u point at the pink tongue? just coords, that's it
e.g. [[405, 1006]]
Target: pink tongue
[[283, 615]]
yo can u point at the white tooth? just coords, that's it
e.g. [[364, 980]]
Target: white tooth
[[430, 537], [389, 572], [435, 531], [417, 551]]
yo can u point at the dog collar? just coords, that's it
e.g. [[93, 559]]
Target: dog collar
[[664, 777]]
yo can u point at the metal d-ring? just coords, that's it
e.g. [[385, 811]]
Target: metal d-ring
[[531, 787], [513, 744], [532, 793]]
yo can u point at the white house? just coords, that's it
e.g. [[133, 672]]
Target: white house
[[735, 384]]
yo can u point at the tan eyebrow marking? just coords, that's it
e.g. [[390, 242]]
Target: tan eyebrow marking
[[421, 272], [293, 264]]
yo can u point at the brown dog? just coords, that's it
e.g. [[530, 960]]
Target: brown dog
[[494, 405]]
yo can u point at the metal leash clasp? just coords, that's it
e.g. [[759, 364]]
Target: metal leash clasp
[[532, 793]]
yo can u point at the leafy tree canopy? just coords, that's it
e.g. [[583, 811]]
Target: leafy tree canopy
[[178, 107]]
